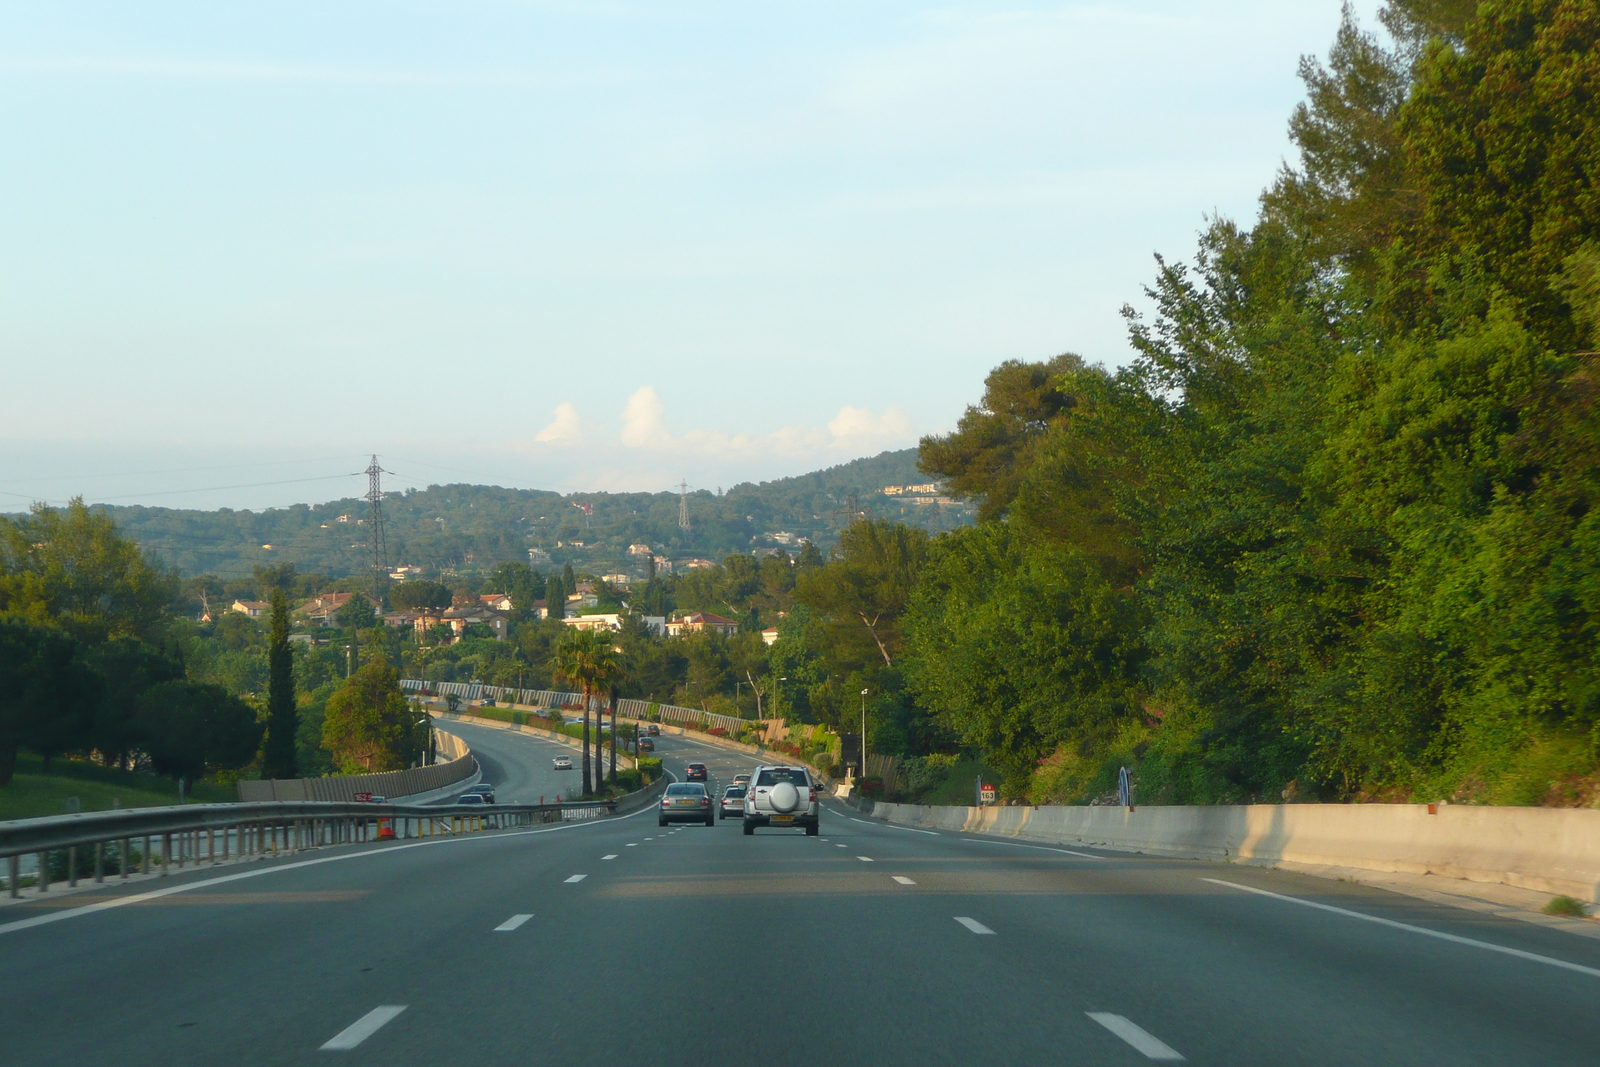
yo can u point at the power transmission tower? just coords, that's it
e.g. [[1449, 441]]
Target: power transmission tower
[[683, 505], [380, 551]]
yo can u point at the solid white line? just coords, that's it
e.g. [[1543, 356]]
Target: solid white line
[[864, 859], [512, 923], [1041, 848], [973, 924], [911, 830], [903, 880], [1152, 1047], [863, 822], [1423, 930], [363, 1028], [610, 857], [577, 878]]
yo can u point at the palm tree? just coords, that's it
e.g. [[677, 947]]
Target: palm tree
[[586, 659]]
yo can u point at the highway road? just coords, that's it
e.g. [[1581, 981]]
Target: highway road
[[619, 942], [518, 764]]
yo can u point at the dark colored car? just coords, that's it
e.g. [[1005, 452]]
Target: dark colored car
[[646, 745], [686, 802], [696, 772], [653, 730], [484, 790]]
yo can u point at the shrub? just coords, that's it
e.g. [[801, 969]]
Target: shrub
[[872, 788], [1564, 905], [650, 768]]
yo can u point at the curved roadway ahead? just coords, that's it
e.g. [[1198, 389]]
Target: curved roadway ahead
[[618, 942]]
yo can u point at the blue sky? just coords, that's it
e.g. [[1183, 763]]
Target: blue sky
[[584, 245]]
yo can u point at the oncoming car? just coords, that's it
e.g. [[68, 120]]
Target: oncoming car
[[561, 763], [781, 796], [686, 802]]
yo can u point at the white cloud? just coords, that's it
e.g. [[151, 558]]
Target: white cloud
[[642, 422], [852, 430], [853, 424], [565, 428]]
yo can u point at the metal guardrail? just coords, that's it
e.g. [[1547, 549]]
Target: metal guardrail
[[211, 833]]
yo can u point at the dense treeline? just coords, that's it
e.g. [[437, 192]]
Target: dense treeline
[[1333, 533]]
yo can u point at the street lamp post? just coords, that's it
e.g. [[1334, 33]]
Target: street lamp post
[[863, 733]]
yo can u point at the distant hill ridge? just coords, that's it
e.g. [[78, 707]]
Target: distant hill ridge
[[456, 528]]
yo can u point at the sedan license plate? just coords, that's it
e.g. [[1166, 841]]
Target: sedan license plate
[[685, 803], [783, 818]]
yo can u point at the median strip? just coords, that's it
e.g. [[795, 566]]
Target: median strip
[[973, 924], [1152, 1047], [363, 1028], [512, 923]]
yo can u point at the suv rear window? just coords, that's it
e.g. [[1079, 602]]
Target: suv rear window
[[686, 789], [774, 775]]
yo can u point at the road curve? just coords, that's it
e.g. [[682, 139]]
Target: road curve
[[620, 942]]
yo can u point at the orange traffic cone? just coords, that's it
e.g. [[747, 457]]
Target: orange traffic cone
[[385, 830]]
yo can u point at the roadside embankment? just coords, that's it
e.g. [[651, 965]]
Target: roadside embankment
[[455, 768]]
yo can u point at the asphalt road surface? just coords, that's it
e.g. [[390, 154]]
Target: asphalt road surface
[[518, 764], [619, 942]]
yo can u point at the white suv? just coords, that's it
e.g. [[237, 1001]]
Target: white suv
[[781, 796]]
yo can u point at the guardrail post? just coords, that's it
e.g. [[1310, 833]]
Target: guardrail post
[[122, 858], [72, 866], [44, 872], [14, 865], [166, 854], [99, 862], [145, 859]]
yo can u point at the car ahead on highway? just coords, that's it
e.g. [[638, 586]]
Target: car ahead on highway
[[484, 790], [696, 772], [646, 745], [781, 796], [653, 730], [471, 798], [561, 763], [741, 779], [732, 802], [686, 802]]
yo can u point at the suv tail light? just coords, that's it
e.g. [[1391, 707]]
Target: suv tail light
[[813, 797]]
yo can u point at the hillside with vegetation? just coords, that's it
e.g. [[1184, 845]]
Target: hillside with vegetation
[[462, 529]]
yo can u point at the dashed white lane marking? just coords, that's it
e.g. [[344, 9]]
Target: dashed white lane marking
[[363, 1028], [631, 844], [512, 923], [610, 857], [649, 839], [822, 839], [1041, 848], [903, 880], [577, 878], [864, 859], [841, 846], [1152, 1047], [1423, 930], [973, 924]]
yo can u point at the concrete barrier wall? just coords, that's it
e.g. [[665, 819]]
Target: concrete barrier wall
[[1551, 850], [457, 766]]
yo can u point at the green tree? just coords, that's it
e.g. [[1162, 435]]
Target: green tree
[[73, 569], [411, 596], [356, 613], [47, 695], [367, 725], [864, 590], [126, 667], [555, 597], [278, 752], [191, 729]]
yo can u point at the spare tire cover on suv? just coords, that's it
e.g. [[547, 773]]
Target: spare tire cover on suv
[[784, 797]]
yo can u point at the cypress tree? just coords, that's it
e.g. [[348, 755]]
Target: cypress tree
[[283, 718]]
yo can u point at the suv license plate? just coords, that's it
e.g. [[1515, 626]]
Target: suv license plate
[[783, 818]]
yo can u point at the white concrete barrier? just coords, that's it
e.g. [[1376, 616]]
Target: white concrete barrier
[[1550, 850]]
